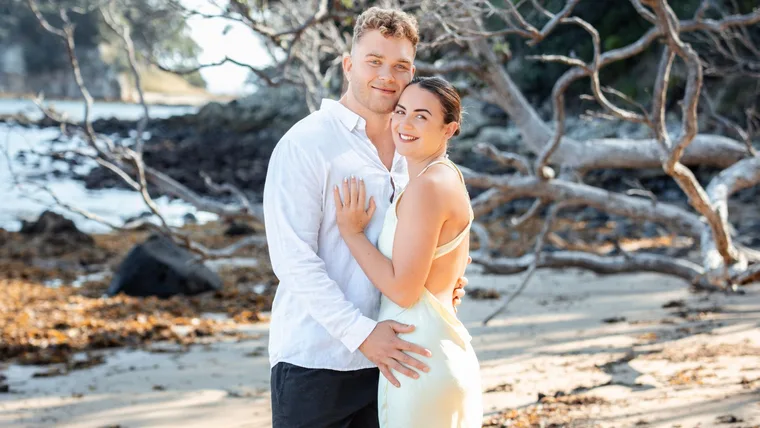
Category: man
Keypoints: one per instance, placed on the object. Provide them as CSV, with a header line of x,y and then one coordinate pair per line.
x,y
325,346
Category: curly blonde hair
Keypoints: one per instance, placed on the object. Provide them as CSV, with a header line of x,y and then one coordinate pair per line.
x,y
390,23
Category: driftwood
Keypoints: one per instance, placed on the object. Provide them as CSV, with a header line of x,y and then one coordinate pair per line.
x,y
306,44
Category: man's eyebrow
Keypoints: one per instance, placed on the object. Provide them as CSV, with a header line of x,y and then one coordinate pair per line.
x,y
377,55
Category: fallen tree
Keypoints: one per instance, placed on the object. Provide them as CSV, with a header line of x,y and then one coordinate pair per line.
x,y
305,44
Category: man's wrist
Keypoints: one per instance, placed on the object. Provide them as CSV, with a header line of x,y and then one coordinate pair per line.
x,y
358,333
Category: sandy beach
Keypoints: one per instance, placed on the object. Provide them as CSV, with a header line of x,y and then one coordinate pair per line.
x,y
607,351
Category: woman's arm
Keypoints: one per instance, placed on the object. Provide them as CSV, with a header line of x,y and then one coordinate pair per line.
x,y
421,217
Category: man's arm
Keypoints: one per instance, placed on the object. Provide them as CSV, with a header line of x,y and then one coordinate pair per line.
x,y
292,217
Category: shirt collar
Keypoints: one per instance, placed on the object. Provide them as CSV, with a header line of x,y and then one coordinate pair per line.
x,y
345,115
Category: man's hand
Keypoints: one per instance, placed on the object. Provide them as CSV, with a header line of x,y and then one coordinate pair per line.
x,y
384,348
459,289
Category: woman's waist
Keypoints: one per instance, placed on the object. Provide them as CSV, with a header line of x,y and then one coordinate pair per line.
x,y
431,322
428,304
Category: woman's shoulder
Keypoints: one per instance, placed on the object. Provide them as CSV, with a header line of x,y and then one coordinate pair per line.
x,y
439,184
444,176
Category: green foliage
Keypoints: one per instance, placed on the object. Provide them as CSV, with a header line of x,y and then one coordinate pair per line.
x,y
43,51
156,30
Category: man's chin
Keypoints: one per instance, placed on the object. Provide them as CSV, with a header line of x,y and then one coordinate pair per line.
x,y
382,107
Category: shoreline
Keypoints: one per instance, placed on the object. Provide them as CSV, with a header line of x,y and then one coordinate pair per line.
x,y
151,99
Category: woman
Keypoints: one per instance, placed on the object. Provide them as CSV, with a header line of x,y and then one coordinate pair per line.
x,y
422,250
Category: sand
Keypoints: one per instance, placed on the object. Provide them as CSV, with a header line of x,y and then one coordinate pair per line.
x,y
692,365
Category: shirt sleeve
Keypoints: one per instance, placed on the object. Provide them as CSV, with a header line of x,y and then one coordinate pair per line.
x,y
293,200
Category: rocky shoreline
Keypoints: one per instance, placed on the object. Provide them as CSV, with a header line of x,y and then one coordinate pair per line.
x,y
232,143
50,312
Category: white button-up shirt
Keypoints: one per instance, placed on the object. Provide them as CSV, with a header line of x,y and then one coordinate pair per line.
x,y
325,306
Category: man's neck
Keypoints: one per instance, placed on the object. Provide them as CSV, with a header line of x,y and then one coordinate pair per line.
x,y
377,124
377,128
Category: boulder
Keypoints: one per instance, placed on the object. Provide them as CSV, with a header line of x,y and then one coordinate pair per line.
x,y
158,267
55,228
239,229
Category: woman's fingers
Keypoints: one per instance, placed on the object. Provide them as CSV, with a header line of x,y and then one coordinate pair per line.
x,y
354,196
336,196
372,207
361,197
355,193
346,194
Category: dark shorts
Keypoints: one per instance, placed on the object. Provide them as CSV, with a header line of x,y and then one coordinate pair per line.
x,y
320,398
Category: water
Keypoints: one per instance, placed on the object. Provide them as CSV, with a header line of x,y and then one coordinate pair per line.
x,y
75,109
25,201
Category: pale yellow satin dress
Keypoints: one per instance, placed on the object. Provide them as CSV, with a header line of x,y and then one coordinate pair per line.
x,y
449,395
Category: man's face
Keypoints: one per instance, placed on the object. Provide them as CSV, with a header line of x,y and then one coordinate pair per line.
x,y
378,69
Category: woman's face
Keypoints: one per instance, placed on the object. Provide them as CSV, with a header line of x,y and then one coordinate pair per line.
x,y
417,124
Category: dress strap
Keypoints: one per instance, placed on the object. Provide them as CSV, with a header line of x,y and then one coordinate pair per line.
x,y
453,244
445,161
436,162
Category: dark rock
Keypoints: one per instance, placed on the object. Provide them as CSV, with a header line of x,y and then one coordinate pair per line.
x,y
55,228
143,215
674,304
158,267
728,419
189,218
230,142
483,293
239,229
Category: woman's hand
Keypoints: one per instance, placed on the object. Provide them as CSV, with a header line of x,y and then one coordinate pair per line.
x,y
351,215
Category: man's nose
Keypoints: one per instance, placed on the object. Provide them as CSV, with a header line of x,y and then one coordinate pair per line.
x,y
386,74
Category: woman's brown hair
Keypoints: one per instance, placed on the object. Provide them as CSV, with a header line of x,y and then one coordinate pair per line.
x,y
447,95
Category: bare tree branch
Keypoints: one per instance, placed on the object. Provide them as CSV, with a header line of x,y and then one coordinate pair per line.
x,y
698,198
534,209
740,176
540,240
615,203
228,188
229,251
448,67
744,135
123,31
488,201
510,160
605,265
752,274
67,34
261,74
123,161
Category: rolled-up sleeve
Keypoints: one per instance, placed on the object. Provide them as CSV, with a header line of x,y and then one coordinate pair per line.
x,y
293,201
